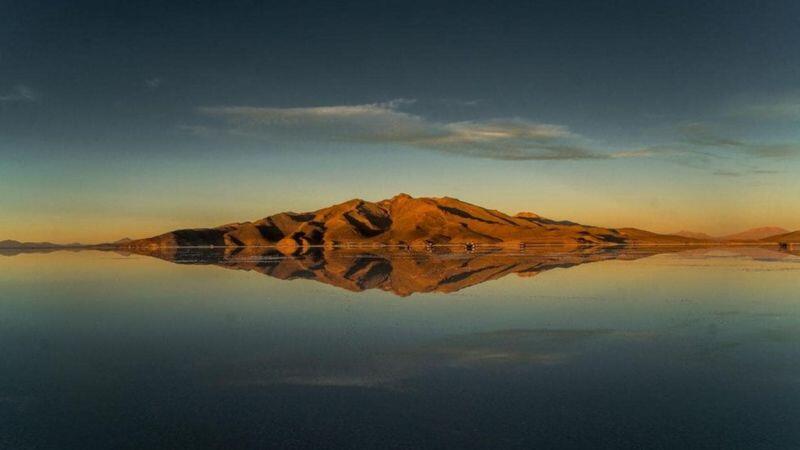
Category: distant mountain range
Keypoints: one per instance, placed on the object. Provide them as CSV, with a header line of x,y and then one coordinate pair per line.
x,y
403,221
10,247
755,234
9,244
751,235
694,235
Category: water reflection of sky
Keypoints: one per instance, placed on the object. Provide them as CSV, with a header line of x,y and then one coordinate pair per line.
x,y
692,348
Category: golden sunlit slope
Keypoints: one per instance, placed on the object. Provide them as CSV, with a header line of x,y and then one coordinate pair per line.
x,y
402,220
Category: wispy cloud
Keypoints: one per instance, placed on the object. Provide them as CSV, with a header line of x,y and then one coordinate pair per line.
x,y
783,150
461,103
744,172
641,153
783,108
701,136
727,173
696,145
505,139
153,83
20,93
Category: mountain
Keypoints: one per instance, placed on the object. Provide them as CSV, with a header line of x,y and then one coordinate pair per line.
x,y
754,234
694,235
11,248
9,244
404,221
751,235
790,238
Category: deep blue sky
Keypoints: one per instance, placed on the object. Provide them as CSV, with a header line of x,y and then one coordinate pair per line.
x,y
614,111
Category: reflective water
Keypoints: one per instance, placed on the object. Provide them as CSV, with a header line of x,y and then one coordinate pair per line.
x,y
587,348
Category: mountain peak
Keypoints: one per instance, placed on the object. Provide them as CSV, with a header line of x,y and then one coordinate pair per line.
x,y
401,196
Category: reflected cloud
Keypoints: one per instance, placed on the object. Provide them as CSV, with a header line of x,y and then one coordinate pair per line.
x,y
502,349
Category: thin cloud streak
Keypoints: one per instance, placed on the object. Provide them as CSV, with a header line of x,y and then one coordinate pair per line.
x,y
701,136
727,173
20,93
785,107
153,83
642,153
513,139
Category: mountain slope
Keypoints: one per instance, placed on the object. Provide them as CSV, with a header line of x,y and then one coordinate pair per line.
x,y
401,220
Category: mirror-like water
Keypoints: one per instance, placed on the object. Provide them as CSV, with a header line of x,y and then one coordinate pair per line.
x,y
586,348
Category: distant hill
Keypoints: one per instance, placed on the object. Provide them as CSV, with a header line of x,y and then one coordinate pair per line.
x,y
791,237
9,244
402,220
694,235
754,234
751,235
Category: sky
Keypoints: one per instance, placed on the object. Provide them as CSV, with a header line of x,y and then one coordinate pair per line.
x,y
128,119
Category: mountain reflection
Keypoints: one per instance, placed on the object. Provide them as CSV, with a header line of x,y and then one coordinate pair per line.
x,y
402,272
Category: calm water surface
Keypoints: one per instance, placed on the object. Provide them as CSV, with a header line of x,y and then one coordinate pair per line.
x,y
689,349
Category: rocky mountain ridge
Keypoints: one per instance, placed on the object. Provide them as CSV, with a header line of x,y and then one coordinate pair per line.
x,y
402,221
